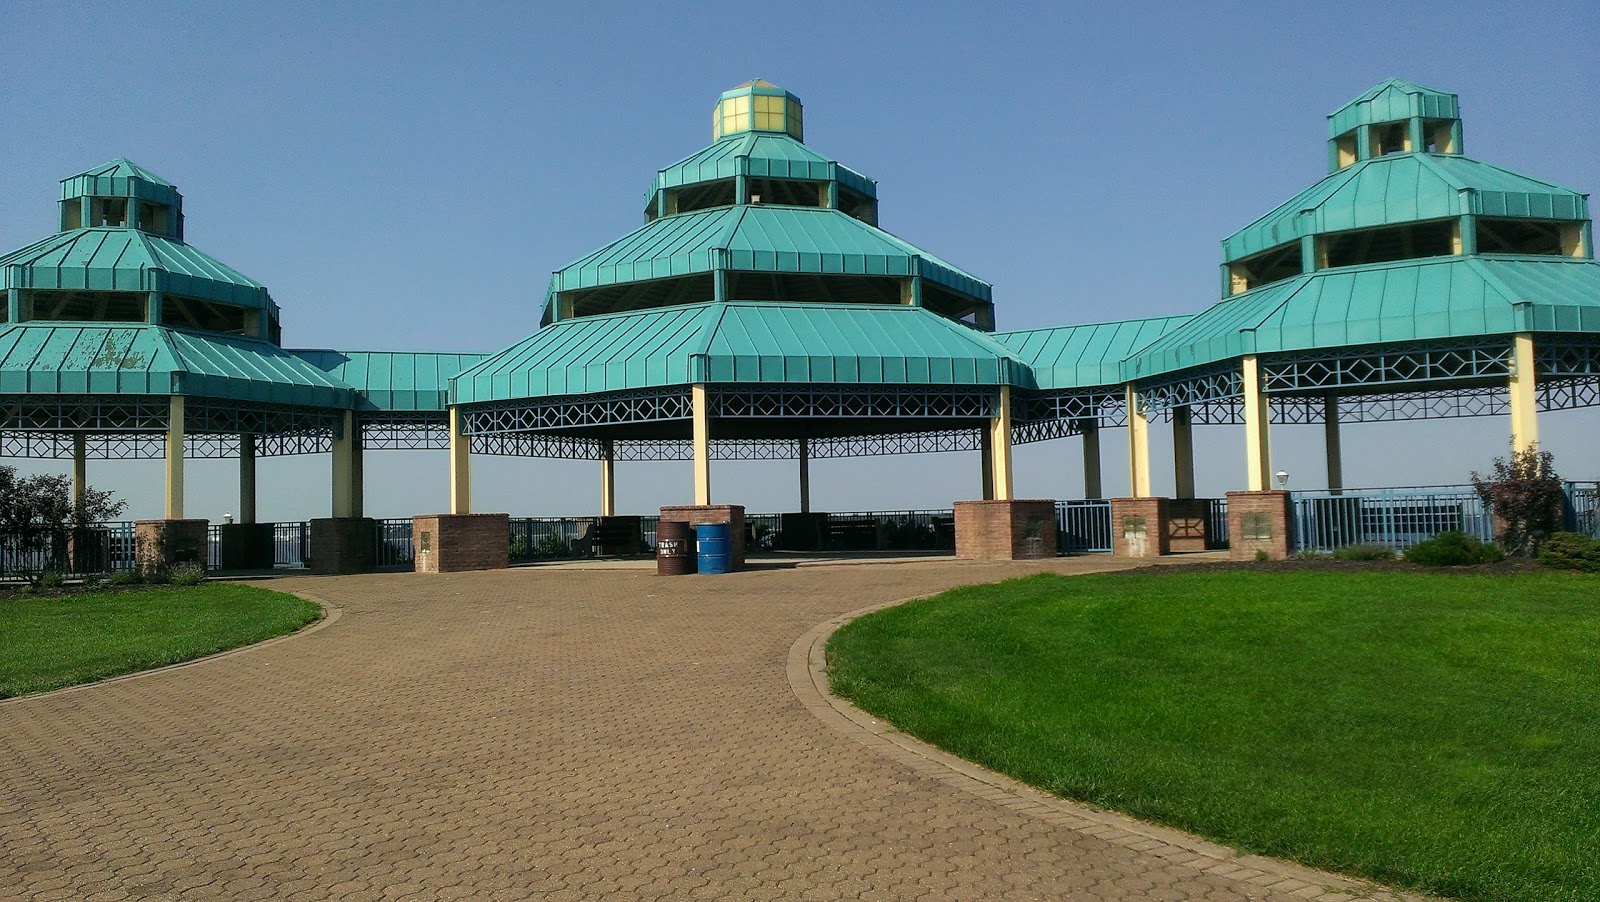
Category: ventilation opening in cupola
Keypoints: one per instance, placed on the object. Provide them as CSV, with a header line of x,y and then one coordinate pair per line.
x,y
814,289
692,289
84,306
1407,242
788,192
1441,135
196,313
1264,268
701,197
109,212
1529,236
1390,137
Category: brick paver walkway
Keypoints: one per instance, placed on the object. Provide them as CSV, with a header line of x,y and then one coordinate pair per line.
x,y
544,734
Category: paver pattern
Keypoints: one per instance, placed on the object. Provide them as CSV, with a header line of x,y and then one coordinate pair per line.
x,y
539,734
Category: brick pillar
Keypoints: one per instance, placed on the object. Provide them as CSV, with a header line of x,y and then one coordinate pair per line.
x,y
1006,530
1139,527
160,545
1259,521
695,514
449,543
343,545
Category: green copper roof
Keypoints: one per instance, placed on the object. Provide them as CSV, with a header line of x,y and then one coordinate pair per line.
x,y
121,178
386,380
1399,188
1391,100
763,239
128,260
54,358
1081,356
760,155
751,342
1412,300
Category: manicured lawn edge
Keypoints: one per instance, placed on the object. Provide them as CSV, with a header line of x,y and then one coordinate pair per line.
x,y
54,642
1440,625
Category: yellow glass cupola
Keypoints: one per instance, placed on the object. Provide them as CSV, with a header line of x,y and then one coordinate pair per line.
x,y
758,106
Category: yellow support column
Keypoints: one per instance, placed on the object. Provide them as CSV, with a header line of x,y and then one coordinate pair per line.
x,y
805,476
1524,398
344,467
175,458
1182,452
608,478
460,466
1000,447
702,444
1257,440
986,463
1138,445
247,479
1333,450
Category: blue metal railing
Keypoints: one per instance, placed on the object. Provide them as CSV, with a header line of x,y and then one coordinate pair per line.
x,y
1217,523
1083,527
1395,519
1583,508
392,544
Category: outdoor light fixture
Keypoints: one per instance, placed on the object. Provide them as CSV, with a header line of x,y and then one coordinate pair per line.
x,y
1283,479
227,518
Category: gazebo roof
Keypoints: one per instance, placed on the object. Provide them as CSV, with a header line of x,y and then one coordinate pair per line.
x,y
393,381
760,155
138,359
734,342
123,259
1081,356
764,239
1437,298
1399,188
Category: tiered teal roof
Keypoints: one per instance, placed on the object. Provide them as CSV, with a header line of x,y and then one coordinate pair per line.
x,y
106,259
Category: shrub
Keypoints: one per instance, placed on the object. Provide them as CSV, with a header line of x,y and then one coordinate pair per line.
x,y
552,545
1526,497
1261,555
123,578
187,575
51,579
519,548
1453,549
1363,553
1571,551
92,580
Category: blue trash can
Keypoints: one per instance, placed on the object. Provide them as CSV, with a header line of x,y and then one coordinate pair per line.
x,y
714,547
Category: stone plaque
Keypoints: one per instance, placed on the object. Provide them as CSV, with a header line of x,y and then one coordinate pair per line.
x,y
1257,525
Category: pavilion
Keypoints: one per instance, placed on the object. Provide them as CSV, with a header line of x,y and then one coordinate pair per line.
x,y
761,312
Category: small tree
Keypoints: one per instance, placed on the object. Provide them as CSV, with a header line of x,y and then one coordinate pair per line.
x,y
37,514
1526,497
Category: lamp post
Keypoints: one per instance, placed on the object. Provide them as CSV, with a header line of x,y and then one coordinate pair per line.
x,y
1283,479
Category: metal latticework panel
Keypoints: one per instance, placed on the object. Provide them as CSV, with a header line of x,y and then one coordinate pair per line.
x,y
1194,390
1385,365
83,413
1559,356
851,401
1568,394
541,414
417,431
1107,408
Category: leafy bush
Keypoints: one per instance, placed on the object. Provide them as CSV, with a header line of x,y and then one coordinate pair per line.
x,y
552,545
1261,555
1526,496
519,548
1363,553
92,580
187,575
38,512
51,579
1453,549
123,578
1571,551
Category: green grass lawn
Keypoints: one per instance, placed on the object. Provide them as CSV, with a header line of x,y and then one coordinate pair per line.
x,y
1432,731
49,642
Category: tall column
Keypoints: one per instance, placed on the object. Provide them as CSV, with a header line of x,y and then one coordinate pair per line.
x,y
805,476
14,305
1000,447
1182,452
175,458
608,478
1332,450
460,466
247,479
1524,399
80,470
1093,487
986,463
1257,444
1138,445
358,472
344,467
702,444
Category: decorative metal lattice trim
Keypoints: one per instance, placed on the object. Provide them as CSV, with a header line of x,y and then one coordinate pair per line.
x,y
1569,394
84,413
541,414
1193,390
1385,365
851,401
1559,356
1108,408
412,431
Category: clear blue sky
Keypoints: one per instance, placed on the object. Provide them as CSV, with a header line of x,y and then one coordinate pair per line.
x,y
403,176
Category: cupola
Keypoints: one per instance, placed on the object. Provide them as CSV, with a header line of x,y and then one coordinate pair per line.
x,y
122,195
758,106
1394,117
